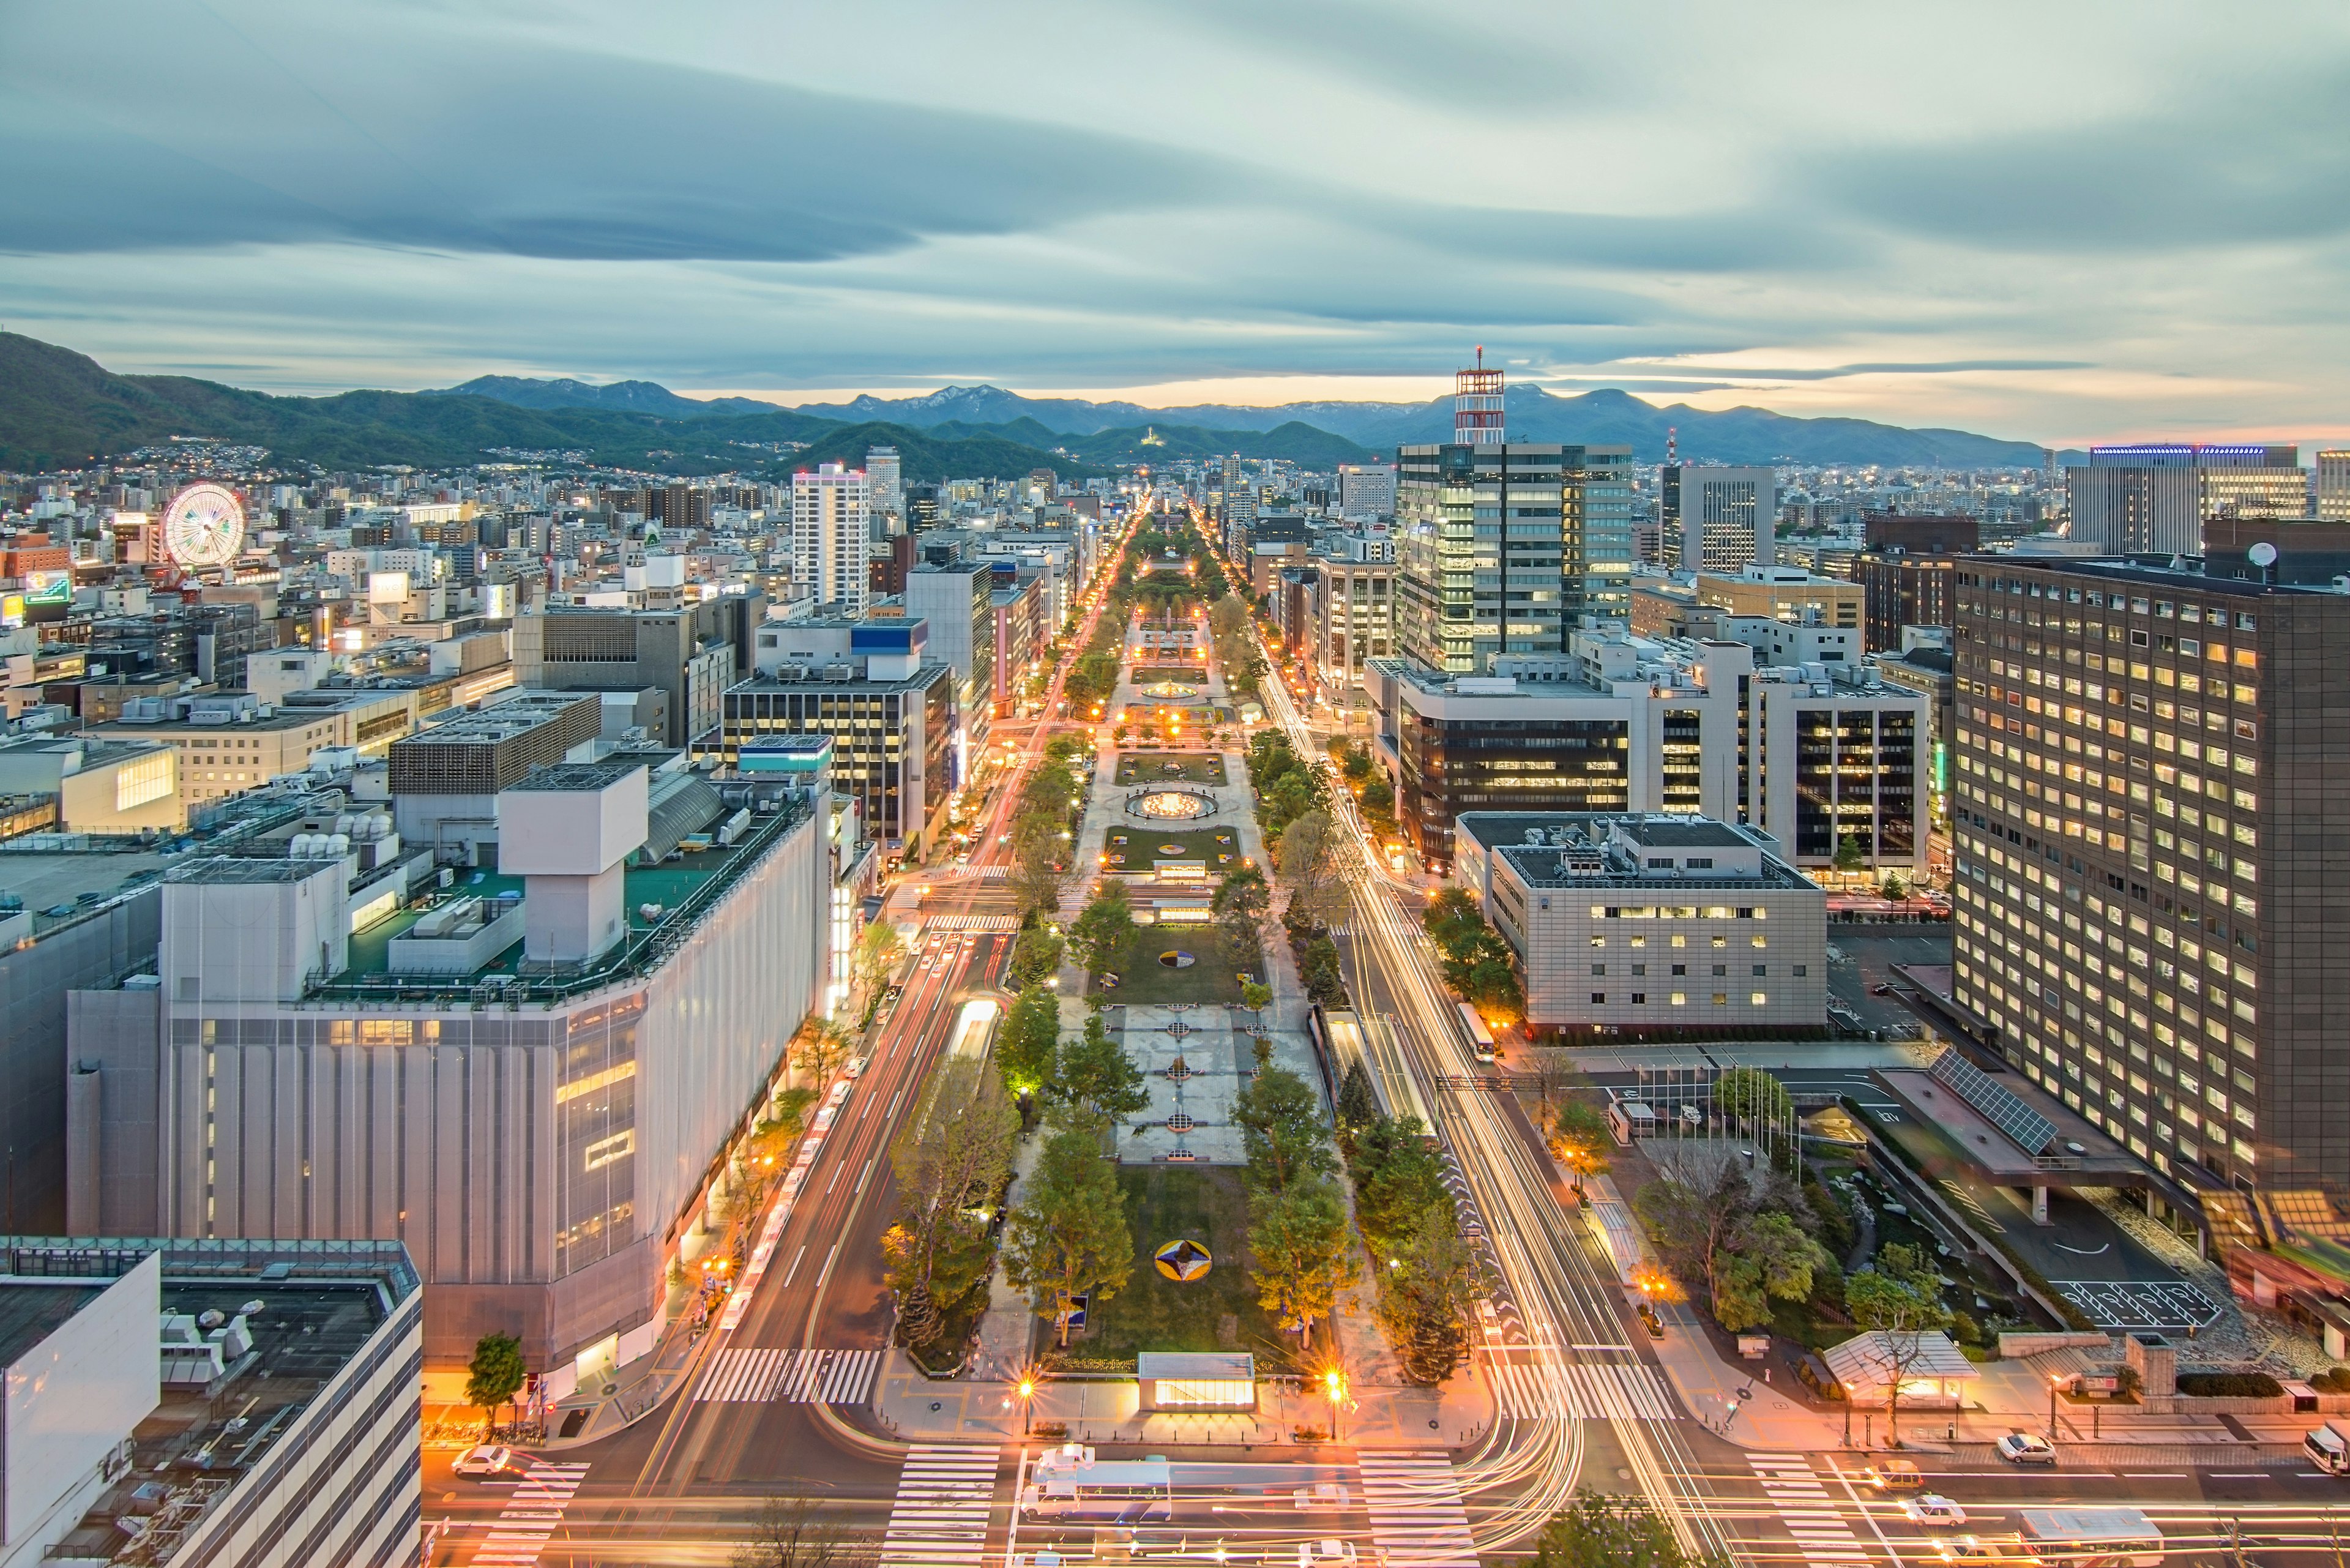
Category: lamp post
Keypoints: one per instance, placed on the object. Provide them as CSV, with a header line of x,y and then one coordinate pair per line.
x,y
1333,1383
1027,1389
2055,1383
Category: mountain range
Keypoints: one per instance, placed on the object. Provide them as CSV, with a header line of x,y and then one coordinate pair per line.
x,y
61,408
1111,432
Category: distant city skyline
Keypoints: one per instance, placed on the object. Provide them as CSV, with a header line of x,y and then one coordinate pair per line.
x,y
2047,224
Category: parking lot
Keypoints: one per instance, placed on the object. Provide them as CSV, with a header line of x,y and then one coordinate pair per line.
x,y
1861,957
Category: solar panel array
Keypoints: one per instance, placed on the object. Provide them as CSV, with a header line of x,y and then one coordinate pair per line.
x,y
2030,1130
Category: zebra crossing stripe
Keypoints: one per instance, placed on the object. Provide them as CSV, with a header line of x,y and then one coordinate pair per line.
x,y
971,924
791,1376
1810,1516
1417,1519
1585,1391
940,1517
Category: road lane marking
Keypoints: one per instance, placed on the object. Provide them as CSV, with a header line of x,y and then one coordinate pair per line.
x,y
836,1170
796,1265
823,1277
519,1545
745,1376
894,1099
862,1178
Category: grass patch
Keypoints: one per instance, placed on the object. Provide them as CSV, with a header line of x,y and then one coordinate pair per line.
x,y
1140,849
1211,979
1207,1204
1170,767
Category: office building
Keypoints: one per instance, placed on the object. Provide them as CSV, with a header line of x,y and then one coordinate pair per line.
x,y
831,535
2147,814
1749,726
690,653
1901,589
1717,519
1350,620
1599,518
2155,498
209,1407
898,748
521,1075
227,742
1650,925
885,492
1922,664
955,602
1468,591
1366,490
1920,533
2330,487
1784,593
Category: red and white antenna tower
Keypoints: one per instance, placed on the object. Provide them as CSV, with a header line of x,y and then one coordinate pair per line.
x,y
1477,417
1672,444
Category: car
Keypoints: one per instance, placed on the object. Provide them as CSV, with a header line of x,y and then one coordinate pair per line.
x,y
484,1459
1892,1475
1325,1553
2009,1552
1882,988
854,1067
2026,1449
1933,1508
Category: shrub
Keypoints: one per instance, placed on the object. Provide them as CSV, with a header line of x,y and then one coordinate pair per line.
x,y
2230,1384
2334,1380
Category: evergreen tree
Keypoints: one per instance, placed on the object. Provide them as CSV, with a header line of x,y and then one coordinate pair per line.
x,y
1303,1255
1069,1236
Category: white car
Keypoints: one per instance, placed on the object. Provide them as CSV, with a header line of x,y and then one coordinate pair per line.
x,y
487,1459
1326,1554
1932,1508
2026,1449
855,1067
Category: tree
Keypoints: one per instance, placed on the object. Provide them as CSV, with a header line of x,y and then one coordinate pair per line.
x,y
1425,1289
1304,1257
1579,1137
1598,1531
950,1161
792,1532
1325,980
1893,888
1358,1103
495,1375
1753,1097
1029,1042
1491,983
821,1048
1898,1296
1309,854
1039,858
879,949
1242,905
1281,1128
1094,1074
1398,1176
1694,1226
1769,1258
1850,857
1103,932
1035,956
1069,1236
1254,997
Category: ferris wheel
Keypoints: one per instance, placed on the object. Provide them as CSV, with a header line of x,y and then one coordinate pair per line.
x,y
204,527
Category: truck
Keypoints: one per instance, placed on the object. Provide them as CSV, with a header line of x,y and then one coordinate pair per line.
x,y
2328,1447
2091,1536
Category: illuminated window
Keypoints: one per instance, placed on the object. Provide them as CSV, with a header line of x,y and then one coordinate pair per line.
x,y
386,1032
148,779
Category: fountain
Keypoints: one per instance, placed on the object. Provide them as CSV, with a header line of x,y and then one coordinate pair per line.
x,y
1171,805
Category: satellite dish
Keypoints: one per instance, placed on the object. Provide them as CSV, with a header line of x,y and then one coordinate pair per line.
x,y
2262,554
205,526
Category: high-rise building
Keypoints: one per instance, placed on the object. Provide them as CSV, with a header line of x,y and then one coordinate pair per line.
x,y
1481,568
1599,509
1718,519
831,535
1366,489
2155,498
2147,807
885,491
2330,487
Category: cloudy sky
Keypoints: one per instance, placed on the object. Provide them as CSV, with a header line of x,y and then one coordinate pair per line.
x,y
2051,222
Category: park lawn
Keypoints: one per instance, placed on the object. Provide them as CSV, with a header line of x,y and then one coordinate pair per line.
x,y
1186,767
1213,978
1141,848
1203,1203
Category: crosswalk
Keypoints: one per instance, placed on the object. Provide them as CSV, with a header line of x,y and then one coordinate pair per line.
x,y
1822,1534
741,1376
1417,1519
971,924
975,871
1584,1391
940,1512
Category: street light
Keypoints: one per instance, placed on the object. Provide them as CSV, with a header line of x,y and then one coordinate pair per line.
x,y
1334,1385
2055,1383
1028,1391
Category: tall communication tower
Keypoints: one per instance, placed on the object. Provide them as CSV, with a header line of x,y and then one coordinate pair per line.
x,y
1477,419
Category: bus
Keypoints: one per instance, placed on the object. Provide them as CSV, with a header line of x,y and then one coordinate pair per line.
x,y
1069,1483
1481,1039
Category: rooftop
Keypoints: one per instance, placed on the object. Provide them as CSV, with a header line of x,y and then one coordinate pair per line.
x,y
1663,833
2187,579
575,778
30,1314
